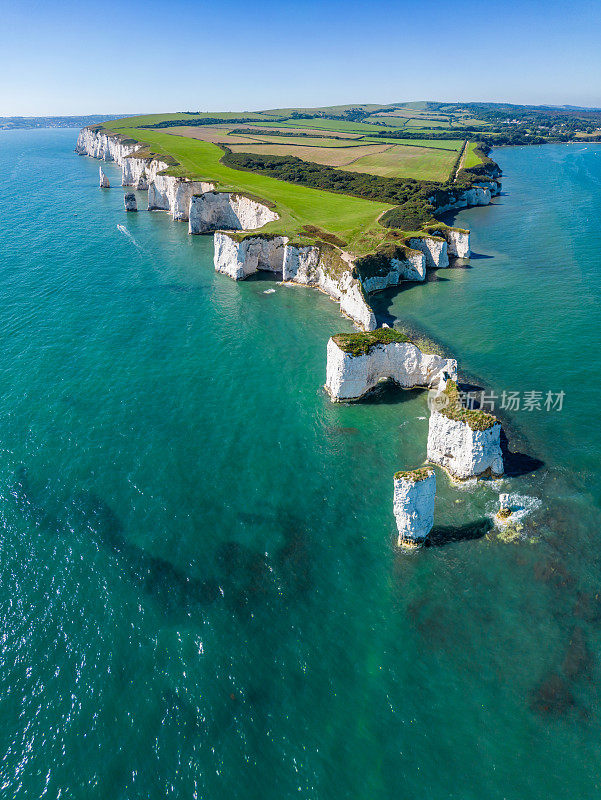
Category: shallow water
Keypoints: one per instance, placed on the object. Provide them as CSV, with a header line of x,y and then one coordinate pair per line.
x,y
199,588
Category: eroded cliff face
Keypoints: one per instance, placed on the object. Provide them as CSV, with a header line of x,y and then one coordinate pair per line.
x,y
140,172
104,146
434,249
458,243
307,265
478,195
413,507
412,268
463,451
187,200
166,193
211,211
350,377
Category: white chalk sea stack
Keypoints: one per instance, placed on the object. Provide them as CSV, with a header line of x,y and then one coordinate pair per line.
x,y
413,505
358,362
131,204
104,181
435,250
467,443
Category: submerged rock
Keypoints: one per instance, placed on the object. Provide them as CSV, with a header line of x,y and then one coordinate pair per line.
x,y
552,697
578,661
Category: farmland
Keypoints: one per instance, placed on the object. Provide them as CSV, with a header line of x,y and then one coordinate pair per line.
x,y
331,170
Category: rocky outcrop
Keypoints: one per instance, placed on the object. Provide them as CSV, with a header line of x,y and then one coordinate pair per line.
x,y
458,243
167,193
413,505
410,268
357,363
480,194
321,267
131,204
467,443
435,250
104,181
211,211
457,239
140,172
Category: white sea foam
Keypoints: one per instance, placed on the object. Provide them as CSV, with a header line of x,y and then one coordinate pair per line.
x,y
269,291
521,505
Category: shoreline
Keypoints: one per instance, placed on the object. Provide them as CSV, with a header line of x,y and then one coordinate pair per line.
x,y
244,251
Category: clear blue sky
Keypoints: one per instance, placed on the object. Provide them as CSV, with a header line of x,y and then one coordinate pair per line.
x,y
112,57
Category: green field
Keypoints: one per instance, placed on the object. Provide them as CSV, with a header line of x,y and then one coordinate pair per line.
x,y
350,218
471,159
332,125
436,144
331,156
407,162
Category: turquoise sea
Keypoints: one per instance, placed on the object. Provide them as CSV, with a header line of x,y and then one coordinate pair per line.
x,y
199,590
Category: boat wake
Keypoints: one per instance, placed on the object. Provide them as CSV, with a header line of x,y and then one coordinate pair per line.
x,y
123,229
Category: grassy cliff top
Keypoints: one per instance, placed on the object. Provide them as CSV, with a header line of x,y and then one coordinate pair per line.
x,y
419,474
477,420
360,344
311,185
351,219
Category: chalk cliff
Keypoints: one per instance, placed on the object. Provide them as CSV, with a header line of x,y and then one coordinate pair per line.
x,y
435,250
166,193
213,210
393,271
478,195
358,362
413,505
193,201
319,266
139,172
458,243
107,147
466,443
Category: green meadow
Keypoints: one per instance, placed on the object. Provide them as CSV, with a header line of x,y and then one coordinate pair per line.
x,y
349,218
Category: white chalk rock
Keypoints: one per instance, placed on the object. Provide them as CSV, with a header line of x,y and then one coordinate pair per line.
x,y
131,204
239,259
463,451
412,268
104,181
349,377
166,193
304,265
458,243
435,250
101,144
413,505
478,195
212,210
139,172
